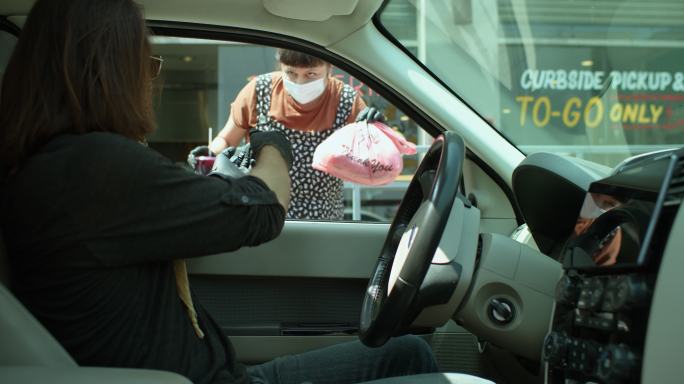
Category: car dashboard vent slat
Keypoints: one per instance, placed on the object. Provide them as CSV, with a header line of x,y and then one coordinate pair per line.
x,y
675,191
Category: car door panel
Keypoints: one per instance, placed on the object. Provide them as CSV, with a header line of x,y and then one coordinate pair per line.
x,y
304,249
301,291
304,289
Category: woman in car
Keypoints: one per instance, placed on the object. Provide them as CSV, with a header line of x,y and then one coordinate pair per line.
x,y
97,225
305,102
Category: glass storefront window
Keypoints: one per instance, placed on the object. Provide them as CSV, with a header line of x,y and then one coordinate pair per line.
x,y
601,80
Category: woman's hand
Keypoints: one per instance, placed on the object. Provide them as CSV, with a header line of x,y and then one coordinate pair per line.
x,y
202,150
241,156
259,139
370,115
233,162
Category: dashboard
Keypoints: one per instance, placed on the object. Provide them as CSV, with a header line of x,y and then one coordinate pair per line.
x,y
609,233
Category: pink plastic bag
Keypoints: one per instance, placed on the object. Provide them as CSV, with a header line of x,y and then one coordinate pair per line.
x,y
363,153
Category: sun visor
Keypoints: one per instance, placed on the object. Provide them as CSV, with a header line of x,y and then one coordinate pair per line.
x,y
308,10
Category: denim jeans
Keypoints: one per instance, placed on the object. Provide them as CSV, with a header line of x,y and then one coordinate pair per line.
x,y
348,363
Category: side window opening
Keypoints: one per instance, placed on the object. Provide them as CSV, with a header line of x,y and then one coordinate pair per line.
x,y
201,78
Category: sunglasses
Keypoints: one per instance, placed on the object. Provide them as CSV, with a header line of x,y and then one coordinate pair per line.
x,y
156,65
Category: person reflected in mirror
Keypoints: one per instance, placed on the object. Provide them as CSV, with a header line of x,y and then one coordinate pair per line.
x,y
307,103
97,225
608,247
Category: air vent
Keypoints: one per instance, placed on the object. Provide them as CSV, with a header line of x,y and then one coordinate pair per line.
x,y
675,192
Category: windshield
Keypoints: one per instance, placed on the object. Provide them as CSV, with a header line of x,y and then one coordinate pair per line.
x,y
597,79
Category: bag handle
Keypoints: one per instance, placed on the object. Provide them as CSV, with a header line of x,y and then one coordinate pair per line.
x,y
404,146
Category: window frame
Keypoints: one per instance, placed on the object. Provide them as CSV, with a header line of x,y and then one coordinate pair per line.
x,y
243,35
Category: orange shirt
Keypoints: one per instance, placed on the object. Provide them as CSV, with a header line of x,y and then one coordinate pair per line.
x,y
317,115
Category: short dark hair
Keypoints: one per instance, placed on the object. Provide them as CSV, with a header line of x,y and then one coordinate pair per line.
x,y
297,59
79,66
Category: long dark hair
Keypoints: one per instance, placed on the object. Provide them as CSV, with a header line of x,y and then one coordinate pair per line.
x,y
79,66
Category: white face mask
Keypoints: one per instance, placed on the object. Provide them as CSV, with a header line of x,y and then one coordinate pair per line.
x,y
304,93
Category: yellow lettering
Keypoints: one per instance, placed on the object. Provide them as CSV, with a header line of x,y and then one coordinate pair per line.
x,y
643,119
588,121
615,113
630,113
569,121
535,111
656,111
523,100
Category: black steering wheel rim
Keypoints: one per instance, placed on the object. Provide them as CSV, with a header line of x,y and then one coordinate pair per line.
x,y
426,206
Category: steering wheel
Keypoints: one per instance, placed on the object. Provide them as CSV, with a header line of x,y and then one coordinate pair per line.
x,y
412,241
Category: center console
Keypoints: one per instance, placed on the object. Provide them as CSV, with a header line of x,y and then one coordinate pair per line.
x,y
610,262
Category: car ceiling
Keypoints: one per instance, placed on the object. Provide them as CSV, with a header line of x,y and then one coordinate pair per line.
x,y
250,14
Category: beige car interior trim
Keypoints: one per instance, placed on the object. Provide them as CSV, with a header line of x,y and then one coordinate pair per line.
x,y
664,337
254,15
309,10
251,14
521,275
24,339
88,375
496,211
304,249
459,245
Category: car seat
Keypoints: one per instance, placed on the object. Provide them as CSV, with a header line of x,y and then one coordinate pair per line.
x,y
29,353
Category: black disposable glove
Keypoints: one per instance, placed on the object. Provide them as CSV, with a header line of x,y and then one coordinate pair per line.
x,y
241,156
232,162
202,150
370,114
277,139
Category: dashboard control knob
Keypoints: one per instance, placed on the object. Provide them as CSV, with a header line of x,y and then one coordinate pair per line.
x,y
626,292
501,311
639,291
555,348
591,293
567,290
617,363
